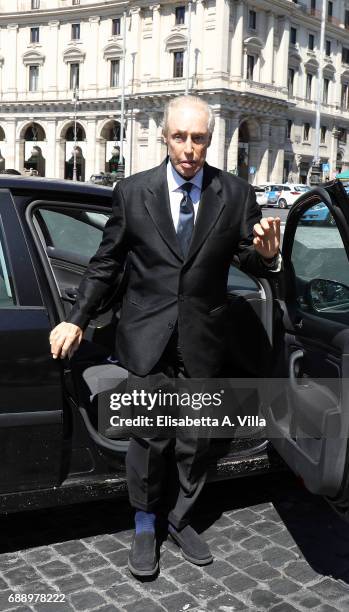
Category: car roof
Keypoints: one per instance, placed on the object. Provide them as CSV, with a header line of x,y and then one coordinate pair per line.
x,y
24,183
271,185
296,185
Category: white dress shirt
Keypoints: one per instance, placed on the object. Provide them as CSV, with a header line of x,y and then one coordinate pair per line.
x,y
174,182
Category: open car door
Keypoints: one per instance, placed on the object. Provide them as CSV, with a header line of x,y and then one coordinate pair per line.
x,y
307,404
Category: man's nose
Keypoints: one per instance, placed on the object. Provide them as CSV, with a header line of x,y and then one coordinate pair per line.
x,y
188,149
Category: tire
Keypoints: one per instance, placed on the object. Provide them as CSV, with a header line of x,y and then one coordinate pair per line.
x,y
282,203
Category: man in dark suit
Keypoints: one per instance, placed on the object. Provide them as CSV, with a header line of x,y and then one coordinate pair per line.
x,y
179,225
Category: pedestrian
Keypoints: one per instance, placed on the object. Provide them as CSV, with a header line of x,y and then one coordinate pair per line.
x,y
179,225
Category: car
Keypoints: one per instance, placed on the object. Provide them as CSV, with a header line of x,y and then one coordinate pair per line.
x,y
261,195
273,192
10,171
289,194
318,214
288,353
103,178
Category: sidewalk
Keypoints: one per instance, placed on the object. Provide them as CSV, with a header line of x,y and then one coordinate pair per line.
x,y
276,548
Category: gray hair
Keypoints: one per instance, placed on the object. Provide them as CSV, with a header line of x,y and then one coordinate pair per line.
x,y
182,100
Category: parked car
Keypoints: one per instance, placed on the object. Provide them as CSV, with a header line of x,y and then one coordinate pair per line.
x,y
273,192
261,195
318,214
103,178
289,194
51,450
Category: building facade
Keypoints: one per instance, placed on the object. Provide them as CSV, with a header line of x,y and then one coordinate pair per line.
x,y
256,63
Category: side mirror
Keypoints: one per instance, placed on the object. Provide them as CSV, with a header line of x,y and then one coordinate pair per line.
x,y
328,296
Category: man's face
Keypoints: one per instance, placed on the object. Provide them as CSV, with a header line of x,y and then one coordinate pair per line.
x,y
187,138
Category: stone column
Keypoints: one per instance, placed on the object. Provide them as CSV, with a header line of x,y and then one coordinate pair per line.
x,y
334,150
222,36
268,68
128,144
155,64
90,162
1,77
216,154
19,154
161,149
282,54
100,155
10,131
133,44
197,36
60,157
11,60
131,154
92,63
152,139
50,169
233,147
337,83
237,43
52,58
278,170
263,168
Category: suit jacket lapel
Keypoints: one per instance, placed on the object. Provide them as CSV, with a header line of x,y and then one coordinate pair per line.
x,y
210,208
159,208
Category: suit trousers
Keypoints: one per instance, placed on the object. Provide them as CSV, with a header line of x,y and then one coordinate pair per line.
x,y
167,475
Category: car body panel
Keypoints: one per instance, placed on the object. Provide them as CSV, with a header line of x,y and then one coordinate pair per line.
x,y
261,196
318,213
290,193
308,420
31,402
272,191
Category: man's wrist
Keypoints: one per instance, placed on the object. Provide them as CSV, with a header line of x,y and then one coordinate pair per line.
x,y
272,262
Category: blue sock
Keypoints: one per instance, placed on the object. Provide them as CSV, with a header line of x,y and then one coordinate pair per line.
x,y
145,521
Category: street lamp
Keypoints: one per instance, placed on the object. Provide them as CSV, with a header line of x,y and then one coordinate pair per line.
x,y
122,105
315,175
75,102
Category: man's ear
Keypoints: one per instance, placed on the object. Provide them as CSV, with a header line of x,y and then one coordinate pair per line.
x,y
164,138
209,140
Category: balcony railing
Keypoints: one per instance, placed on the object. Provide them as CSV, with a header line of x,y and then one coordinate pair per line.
x,y
318,14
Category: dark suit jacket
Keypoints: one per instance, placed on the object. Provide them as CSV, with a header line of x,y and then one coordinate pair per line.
x,y
162,288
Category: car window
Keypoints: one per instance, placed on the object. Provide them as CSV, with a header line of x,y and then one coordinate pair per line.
x,y
76,232
286,188
318,253
6,294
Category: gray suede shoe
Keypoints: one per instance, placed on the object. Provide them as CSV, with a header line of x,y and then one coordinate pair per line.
x,y
193,547
142,560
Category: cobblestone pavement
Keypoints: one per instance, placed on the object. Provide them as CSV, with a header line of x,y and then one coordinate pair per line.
x,y
276,548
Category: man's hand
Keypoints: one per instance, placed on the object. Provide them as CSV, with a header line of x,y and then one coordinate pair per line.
x,y
267,237
65,339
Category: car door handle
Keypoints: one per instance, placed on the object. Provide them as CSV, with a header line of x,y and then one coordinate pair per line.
x,y
295,357
70,295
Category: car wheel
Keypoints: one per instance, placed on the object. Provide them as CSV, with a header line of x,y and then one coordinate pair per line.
x,y
282,203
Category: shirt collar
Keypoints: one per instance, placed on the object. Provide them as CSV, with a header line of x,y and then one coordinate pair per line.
x,y
175,180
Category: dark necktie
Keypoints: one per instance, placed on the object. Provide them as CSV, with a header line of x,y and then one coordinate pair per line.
x,y
186,219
